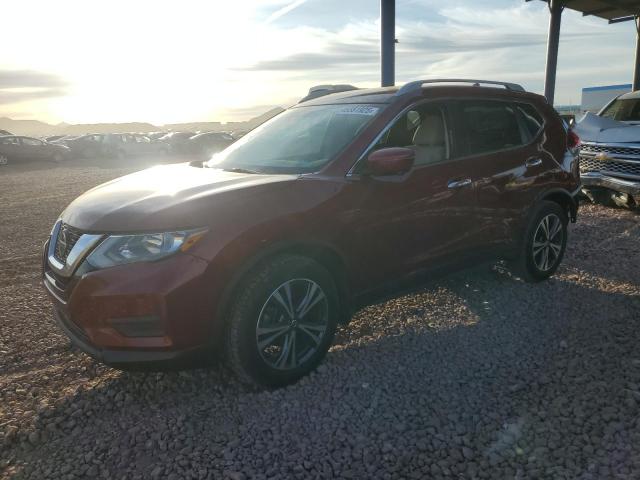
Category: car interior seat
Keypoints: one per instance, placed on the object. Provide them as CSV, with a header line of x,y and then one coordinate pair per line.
x,y
429,141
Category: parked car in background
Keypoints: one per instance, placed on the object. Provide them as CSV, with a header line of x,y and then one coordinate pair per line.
x,y
610,152
63,139
5,132
156,135
178,141
265,250
321,90
206,144
19,149
86,146
237,134
121,145
53,138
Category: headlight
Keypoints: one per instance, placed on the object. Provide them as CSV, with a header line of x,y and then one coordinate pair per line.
x,y
121,249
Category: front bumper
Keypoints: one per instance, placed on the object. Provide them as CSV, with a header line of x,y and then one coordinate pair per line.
x,y
596,179
135,314
120,357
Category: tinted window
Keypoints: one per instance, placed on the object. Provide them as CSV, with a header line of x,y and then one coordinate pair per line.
x,y
532,119
488,127
423,129
31,141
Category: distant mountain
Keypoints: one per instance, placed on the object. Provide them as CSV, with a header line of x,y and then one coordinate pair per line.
x,y
26,127
36,128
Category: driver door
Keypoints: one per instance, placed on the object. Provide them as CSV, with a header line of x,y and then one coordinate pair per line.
x,y
424,217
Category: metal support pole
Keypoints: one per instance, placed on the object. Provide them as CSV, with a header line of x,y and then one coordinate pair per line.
x,y
555,7
387,42
636,68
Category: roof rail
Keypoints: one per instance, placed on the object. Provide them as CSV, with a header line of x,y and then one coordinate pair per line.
x,y
417,84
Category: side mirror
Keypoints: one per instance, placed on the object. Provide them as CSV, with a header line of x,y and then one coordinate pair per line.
x,y
390,161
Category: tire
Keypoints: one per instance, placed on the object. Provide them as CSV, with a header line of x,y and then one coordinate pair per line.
x,y
261,334
4,160
534,266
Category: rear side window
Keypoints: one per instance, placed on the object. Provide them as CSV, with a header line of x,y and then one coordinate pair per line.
x,y
532,120
488,127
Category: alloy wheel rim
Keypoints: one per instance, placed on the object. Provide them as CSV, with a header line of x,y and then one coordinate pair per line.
x,y
547,242
292,324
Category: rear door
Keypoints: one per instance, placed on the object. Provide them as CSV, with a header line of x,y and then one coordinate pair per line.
x,y
506,162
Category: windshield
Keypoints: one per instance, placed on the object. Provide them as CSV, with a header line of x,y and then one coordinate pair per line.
x,y
627,110
299,140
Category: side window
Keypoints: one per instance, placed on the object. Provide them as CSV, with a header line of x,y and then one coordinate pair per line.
x,y
531,118
423,129
31,141
488,127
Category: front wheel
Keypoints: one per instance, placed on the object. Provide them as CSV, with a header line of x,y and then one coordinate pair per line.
x,y
544,243
282,321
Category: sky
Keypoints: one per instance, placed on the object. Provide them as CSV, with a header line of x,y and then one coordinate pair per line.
x,y
175,61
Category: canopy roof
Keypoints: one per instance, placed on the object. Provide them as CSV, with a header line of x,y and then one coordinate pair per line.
x,y
612,10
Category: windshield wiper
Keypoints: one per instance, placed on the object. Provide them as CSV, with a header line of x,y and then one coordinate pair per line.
x,y
240,170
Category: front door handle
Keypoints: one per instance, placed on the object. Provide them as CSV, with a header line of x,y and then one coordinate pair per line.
x,y
455,184
533,162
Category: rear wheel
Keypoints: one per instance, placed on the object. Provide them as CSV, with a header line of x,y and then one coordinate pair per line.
x,y
544,243
281,322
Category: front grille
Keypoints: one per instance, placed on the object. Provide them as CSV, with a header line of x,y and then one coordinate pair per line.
x,y
612,167
611,150
67,238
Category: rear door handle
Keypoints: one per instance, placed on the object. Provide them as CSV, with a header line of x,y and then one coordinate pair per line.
x,y
454,184
533,162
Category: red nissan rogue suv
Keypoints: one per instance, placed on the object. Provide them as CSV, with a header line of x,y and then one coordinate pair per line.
x,y
260,252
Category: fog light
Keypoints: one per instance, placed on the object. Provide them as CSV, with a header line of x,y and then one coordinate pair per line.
x,y
147,326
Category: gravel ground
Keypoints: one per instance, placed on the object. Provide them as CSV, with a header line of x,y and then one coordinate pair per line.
x,y
476,375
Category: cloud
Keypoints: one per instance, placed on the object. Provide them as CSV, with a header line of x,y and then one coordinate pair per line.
x,y
22,85
461,41
284,10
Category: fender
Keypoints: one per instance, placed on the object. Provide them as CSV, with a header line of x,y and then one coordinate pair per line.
x,y
568,197
311,248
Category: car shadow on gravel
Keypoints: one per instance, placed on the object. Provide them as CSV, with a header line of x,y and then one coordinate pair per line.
x,y
478,370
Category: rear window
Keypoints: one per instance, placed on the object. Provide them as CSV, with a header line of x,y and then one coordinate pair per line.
x,y
489,127
531,118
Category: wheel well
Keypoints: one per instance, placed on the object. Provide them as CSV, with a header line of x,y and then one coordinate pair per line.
x,y
566,201
325,256
332,261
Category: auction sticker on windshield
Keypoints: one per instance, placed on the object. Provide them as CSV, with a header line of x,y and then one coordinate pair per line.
x,y
368,110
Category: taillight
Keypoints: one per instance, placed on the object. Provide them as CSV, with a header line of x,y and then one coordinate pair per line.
x,y
573,140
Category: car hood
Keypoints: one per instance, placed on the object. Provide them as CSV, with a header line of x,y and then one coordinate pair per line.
x,y
165,198
593,128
